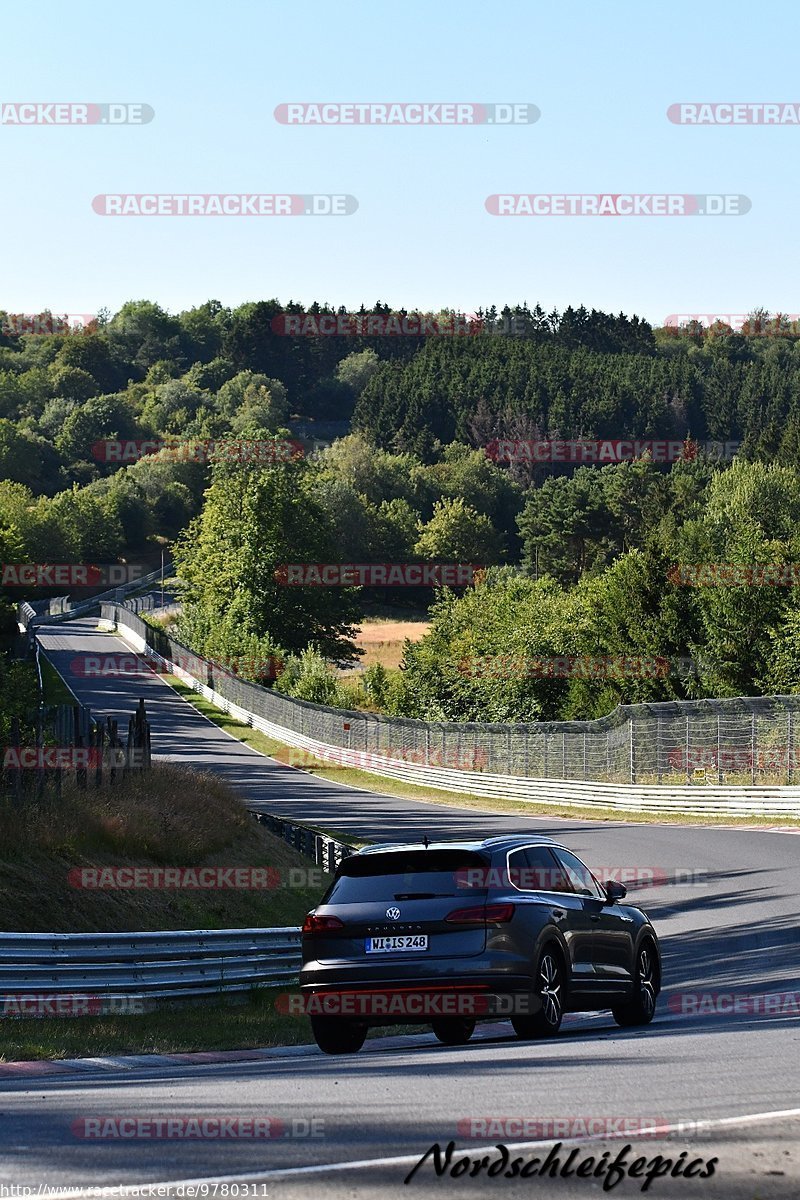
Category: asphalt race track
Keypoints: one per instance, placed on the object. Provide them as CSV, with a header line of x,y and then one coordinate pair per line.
x,y
725,906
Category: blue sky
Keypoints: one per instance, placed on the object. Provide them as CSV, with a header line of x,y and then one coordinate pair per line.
x,y
602,76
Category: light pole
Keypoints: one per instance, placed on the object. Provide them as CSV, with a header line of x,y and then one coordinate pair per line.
x,y
162,576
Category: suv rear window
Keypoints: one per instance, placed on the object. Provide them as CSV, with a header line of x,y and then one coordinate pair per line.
x,y
408,874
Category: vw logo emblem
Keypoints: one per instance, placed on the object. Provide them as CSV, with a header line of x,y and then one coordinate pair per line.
x,y
393,914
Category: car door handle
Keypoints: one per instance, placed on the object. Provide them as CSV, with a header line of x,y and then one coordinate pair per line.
x,y
595,918
559,913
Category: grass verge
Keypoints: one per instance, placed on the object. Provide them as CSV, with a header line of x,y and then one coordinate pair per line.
x,y
255,1024
56,690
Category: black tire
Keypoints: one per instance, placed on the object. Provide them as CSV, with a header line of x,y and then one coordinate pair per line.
x,y
453,1031
336,1036
551,987
641,1009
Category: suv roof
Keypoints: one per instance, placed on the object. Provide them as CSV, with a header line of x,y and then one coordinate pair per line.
x,y
503,841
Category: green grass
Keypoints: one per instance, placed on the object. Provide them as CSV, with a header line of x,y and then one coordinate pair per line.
x,y
365,780
56,690
255,1023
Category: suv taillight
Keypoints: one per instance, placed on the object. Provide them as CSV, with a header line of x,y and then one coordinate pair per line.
x,y
314,925
485,913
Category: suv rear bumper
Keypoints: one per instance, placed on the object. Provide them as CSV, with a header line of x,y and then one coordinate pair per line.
x,y
409,1001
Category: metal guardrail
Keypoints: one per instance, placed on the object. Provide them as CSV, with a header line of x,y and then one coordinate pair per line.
x,y
158,966
325,851
60,608
162,966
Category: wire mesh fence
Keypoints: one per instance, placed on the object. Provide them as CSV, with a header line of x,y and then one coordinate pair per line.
x,y
732,741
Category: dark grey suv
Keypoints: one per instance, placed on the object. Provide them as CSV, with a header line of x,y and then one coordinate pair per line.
x,y
448,933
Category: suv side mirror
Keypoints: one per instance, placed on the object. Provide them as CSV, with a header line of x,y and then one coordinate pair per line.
x,y
615,891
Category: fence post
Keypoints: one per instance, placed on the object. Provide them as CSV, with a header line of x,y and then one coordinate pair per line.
x,y
40,775
686,748
546,756
80,774
659,743
752,747
15,739
719,748
633,761
564,755
584,754
789,747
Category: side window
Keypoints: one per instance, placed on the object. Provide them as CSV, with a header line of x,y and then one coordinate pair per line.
x,y
547,873
580,877
518,870
535,870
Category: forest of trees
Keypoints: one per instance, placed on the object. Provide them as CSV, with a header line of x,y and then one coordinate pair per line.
x,y
578,558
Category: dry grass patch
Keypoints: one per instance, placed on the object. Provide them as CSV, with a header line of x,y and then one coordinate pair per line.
x,y
166,817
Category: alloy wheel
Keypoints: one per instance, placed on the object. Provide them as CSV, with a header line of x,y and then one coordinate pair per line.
x,y
550,989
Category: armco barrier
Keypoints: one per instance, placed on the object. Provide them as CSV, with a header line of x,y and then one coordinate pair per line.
x,y
325,851
61,608
762,801
156,966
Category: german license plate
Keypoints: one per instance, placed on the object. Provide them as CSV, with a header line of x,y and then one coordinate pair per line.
x,y
385,945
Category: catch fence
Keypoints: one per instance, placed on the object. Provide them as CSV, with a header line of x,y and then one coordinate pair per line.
x,y
740,741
